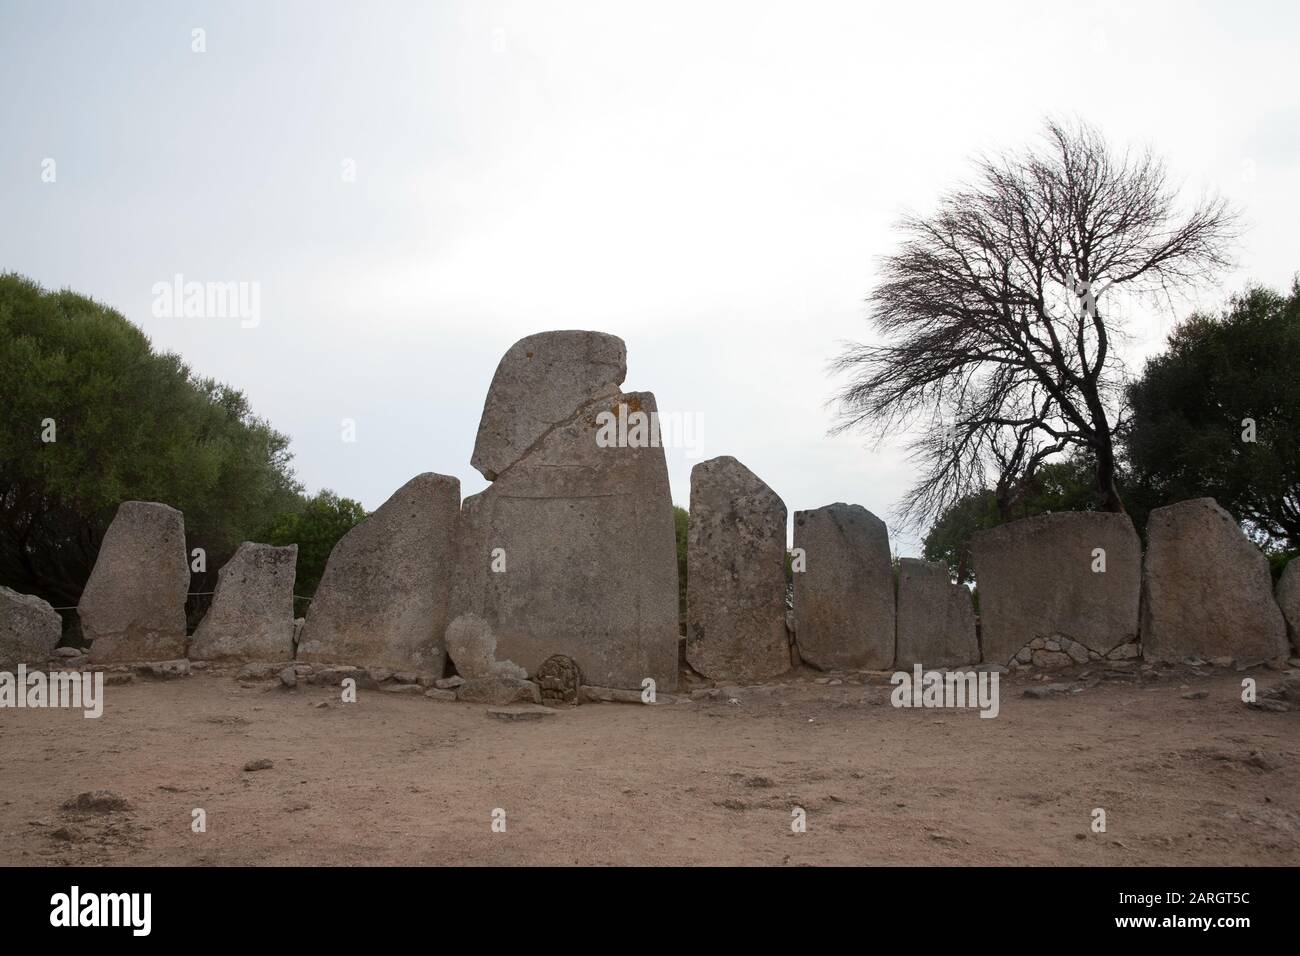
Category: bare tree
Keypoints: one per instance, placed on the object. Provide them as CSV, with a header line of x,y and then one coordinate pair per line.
x,y
994,341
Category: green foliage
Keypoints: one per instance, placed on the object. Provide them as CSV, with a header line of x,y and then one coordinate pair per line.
x,y
1186,438
315,528
131,424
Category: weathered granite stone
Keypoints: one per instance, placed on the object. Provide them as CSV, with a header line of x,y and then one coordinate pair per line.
x,y
382,601
1206,590
133,606
936,621
1288,599
572,551
471,645
844,599
251,617
735,601
559,678
1036,578
540,382
29,629
498,690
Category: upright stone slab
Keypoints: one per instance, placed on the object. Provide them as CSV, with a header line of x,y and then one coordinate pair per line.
x,y
735,586
251,617
1039,579
382,601
133,606
844,598
936,620
1206,590
1288,599
29,629
572,549
540,382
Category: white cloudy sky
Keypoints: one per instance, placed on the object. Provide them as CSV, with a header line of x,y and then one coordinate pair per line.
x,y
711,181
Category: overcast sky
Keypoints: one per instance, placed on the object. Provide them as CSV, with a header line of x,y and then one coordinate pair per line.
x,y
714,182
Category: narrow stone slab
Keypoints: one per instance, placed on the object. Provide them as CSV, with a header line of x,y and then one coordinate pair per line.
x,y
1206,589
538,384
572,551
1288,599
735,600
520,712
1036,579
936,620
251,617
133,606
382,601
29,629
844,598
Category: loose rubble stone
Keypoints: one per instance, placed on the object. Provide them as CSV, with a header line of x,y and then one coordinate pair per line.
x,y
289,677
436,693
540,381
581,534
29,630
1036,579
251,617
382,601
472,648
498,690
936,620
844,598
98,801
1206,589
163,670
262,763
449,683
133,605
736,587
559,677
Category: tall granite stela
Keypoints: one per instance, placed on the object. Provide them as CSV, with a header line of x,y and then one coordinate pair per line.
x,y
382,601
571,550
735,586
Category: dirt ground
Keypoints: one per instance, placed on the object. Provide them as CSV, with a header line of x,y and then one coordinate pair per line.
x,y
398,779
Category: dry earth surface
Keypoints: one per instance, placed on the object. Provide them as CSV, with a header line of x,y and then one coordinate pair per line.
x,y
396,779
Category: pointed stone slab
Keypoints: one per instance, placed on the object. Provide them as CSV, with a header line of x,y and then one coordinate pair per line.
x,y
1036,580
735,600
844,598
133,605
251,617
936,620
1206,589
382,601
29,629
585,536
540,382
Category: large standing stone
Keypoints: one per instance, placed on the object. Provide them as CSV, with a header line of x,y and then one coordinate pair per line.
x,y
29,629
540,382
1040,578
735,588
1288,599
936,621
251,617
844,599
133,606
382,601
572,549
1206,590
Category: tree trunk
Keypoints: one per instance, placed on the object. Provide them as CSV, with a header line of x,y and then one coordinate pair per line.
x,y
1107,494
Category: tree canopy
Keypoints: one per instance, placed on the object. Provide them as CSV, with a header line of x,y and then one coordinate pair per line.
x,y
1218,414
93,416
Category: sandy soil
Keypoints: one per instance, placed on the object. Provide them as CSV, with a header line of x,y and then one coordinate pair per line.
x,y
404,780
